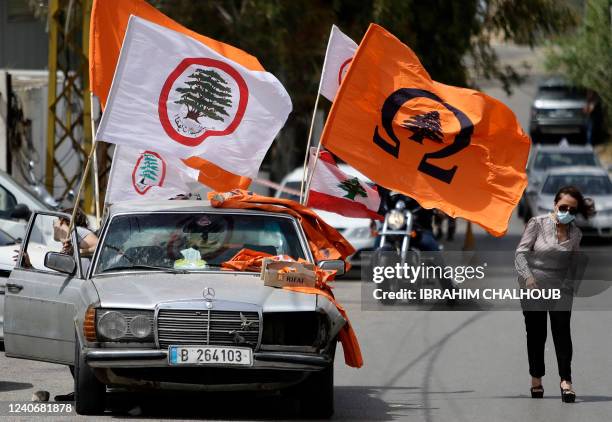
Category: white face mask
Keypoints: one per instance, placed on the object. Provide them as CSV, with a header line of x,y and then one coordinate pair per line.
x,y
564,217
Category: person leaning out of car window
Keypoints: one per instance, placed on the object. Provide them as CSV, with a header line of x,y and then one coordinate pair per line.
x,y
87,238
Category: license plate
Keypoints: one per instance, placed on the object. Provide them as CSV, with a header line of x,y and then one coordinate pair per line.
x,y
210,355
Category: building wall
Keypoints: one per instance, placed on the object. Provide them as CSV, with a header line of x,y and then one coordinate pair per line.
x,y
23,39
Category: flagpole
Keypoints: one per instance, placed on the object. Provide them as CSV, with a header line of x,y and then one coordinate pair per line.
x,y
78,195
314,114
95,161
312,121
311,173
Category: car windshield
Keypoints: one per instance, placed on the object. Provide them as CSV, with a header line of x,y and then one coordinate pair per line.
x,y
192,242
545,160
561,93
588,184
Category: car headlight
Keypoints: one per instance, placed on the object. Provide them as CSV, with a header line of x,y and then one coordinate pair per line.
x,y
396,219
112,325
125,325
140,326
308,329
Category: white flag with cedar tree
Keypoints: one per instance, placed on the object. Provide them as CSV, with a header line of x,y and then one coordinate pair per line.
x,y
144,174
177,96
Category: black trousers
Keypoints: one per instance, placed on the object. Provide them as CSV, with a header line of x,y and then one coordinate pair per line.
x,y
536,326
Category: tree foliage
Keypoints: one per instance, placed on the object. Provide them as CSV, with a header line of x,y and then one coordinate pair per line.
x,y
584,57
452,39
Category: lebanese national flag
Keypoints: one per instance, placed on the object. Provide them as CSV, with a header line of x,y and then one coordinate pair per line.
x,y
335,191
340,52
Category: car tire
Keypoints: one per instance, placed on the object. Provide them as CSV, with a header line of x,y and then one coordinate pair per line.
x,y
316,394
89,392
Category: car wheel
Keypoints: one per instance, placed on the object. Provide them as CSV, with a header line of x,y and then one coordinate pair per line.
x,y
89,393
316,394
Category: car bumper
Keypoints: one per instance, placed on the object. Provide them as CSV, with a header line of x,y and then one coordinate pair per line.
x,y
558,126
139,358
150,370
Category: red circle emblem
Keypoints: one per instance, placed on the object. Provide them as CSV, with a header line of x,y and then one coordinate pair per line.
x,y
141,187
343,69
191,141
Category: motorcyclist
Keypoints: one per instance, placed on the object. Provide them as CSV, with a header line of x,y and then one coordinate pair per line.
x,y
422,218
423,226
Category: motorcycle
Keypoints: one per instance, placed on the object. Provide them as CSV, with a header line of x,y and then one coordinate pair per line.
x,y
397,239
398,243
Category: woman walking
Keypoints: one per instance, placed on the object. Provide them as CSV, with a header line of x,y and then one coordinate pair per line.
x,y
542,262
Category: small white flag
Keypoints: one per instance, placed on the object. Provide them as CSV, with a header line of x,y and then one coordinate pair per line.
x,y
144,174
176,96
340,52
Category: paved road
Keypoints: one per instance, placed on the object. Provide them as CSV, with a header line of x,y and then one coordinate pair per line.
x,y
419,365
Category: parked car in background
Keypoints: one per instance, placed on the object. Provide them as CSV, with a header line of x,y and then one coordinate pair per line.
x,y
153,308
593,182
8,245
16,205
545,157
356,230
558,110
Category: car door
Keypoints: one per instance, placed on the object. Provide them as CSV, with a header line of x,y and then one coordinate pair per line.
x,y
41,303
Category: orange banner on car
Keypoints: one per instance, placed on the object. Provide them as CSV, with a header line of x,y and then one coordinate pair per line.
x,y
450,148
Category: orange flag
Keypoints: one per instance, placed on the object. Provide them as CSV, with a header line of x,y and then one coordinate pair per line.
x,y
450,148
109,19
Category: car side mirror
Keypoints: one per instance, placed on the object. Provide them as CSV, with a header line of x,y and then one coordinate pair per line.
x,y
333,264
60,262
21,212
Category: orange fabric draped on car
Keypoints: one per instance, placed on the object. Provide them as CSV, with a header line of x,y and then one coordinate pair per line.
x,y
347,336
250,260
324,241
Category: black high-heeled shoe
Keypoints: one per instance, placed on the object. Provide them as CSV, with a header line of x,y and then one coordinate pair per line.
x,y
567,395
537,392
